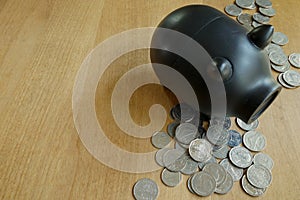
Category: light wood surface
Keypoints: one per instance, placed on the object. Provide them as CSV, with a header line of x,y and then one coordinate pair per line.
x,y
42,45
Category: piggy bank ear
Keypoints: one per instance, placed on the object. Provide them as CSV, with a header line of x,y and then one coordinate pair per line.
x,y
261,36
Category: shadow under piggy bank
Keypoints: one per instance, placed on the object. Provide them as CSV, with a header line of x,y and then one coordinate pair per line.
x,y
237,54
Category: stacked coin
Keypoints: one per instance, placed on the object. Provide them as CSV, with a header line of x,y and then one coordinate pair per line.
x,y
279,61
213,157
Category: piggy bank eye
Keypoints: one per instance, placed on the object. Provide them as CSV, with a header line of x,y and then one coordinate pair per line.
x,y
224,67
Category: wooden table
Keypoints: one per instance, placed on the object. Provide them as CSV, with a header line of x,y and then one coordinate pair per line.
x,y
42,46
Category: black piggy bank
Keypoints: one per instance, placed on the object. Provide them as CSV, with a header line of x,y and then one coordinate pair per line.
x,y
237,53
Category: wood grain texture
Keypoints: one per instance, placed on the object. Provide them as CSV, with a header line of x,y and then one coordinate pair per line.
x,y
42,45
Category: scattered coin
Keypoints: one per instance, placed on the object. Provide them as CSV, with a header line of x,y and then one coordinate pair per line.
x,y
189,185
247,4
250,189
264,3
280,38
222,152
159,156
179,147
254,140
217,135
259,176
270,12
217,171
200,150
185,133
171,156
171,128
233,10
226,186
283,83
145,189
225,122
292,78
203,184
286,66
211,160
256,24
160,139
261,18
247,127
273,47
294,59
190,167
234,171
183,112
245,18
278,58
235,138
264,160
240,157
178,164
171,179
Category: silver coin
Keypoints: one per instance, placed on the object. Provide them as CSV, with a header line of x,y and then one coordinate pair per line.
x,y
250,189
200,150
273,47
264,3
235,138
245,126
211,160
217,171
221,153
261,18
259,176
185,133
256,24
171,128
278,58
254,140
171,179
189,186
283,83
178,164
247,4
270,12
225,122
263,159
234,171
159,156
179,147
183,112
160,139
286,66
145,189
294,59
280,38
240,157
171,156
233,10
190,167
292,78
203,184
185,146
217,135
226,186
245,18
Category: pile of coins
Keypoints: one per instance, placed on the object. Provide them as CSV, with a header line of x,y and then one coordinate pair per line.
x,y
280,62
212,157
